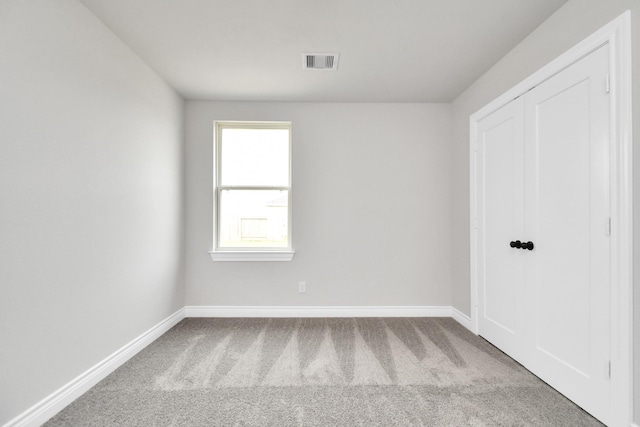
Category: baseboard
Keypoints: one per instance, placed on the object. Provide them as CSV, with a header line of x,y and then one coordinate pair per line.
x,y
317,311
58,400
462,318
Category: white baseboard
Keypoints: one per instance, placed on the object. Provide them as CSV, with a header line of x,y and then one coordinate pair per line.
x,y
58,400
462,318
317,311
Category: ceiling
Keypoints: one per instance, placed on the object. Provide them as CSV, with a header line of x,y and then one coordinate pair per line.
x,y
390,50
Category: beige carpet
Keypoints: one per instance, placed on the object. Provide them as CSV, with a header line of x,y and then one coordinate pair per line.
x,y
321,372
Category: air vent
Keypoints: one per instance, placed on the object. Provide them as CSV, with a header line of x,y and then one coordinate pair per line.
x,y
320,61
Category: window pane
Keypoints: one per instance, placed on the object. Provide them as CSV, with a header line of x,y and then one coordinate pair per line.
x,y
255,157
254,218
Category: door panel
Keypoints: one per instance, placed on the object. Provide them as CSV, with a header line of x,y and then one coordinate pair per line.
x,y
567,209
500,147
563,234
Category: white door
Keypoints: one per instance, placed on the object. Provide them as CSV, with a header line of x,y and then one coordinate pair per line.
x,y
501,181
567,210
543,179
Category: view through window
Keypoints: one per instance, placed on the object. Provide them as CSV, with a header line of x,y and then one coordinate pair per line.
x,y
253,185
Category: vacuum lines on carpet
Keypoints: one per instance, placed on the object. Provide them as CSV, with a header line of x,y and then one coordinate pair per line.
x,y
321,372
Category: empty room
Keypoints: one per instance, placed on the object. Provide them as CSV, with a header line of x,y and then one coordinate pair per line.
x,y
329,213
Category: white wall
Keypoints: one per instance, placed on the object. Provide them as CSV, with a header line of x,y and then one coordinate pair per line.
x,y
370,207
572,23
90,198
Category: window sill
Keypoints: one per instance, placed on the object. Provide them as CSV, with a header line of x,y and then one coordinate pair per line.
x,y
252,256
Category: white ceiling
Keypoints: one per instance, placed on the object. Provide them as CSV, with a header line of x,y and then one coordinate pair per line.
x,y
390,50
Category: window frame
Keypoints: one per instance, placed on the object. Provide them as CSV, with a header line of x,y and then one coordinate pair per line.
x,y
248,253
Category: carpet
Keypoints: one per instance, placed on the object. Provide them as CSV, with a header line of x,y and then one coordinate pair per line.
x,y
321,372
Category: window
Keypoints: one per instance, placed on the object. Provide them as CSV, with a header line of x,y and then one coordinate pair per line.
x,y
252,185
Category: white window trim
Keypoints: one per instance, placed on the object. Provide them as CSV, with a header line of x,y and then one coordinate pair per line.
x,y
248,253
251,256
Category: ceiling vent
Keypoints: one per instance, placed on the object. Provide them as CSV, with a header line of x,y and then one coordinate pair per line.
x,y
320,61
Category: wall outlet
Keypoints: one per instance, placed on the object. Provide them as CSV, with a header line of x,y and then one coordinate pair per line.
x,y
302,287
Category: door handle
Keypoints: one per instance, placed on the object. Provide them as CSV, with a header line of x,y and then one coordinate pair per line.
x,y
522,245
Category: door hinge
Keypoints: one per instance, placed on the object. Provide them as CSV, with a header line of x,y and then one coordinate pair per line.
x,y
607,84
609,369
608,226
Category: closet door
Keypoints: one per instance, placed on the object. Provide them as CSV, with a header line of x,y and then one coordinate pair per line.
x,y
567,211
500,201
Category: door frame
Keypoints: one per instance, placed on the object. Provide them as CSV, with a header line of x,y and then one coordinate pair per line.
x,y
617,34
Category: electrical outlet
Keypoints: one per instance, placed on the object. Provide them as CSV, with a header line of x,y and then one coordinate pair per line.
x,y
302,287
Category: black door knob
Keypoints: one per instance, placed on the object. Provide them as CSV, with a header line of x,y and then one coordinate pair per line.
x,y
522,245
